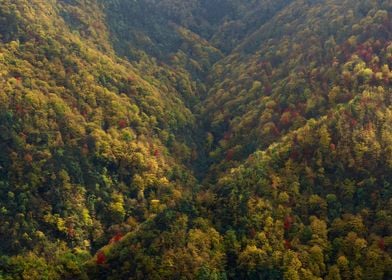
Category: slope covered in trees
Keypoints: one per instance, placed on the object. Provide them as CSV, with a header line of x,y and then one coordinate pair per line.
x,y
195,139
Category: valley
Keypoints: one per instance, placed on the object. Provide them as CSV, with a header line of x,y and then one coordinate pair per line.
x,y
194,139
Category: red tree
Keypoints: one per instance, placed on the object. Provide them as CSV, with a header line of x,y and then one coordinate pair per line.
x,y
101,258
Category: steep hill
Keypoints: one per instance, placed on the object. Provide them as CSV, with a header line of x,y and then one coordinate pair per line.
x,y
269,85
86,138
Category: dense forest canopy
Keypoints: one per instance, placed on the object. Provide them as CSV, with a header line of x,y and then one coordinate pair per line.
x,y
195,139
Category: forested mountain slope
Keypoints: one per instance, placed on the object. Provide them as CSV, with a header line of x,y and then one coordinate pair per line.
x,y
225,139
269,85
85,138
